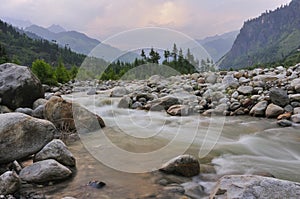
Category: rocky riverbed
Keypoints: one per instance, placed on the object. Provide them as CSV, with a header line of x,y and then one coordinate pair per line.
x,y
35,121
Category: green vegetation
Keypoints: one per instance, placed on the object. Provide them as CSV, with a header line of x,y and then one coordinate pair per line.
x,y
174,63
268,40
50,75
18,48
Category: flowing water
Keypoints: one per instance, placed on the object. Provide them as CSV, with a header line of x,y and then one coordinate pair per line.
x,y
234,145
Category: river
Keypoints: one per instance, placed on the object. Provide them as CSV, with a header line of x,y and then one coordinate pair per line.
x,y
144,140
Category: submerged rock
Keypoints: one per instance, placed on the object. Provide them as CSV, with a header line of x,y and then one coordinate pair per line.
x,y
9,183
45,171
19,87
22,135
184,165
58,151
165,103
248,186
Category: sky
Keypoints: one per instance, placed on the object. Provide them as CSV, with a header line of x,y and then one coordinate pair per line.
x,y
101,19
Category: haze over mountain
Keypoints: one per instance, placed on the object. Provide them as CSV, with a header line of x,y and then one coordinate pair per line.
x,y
271,37
217,46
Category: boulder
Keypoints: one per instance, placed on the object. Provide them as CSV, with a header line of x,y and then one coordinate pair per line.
x,y
250,186
178,110
22,135
295,97
27,111
274,111
39,112
71,116
164,102
183,165
284,123
245,90
125,102
19,87
279,97
296,118
58,151
230,82
119,92
295,84
297,110
4,109
259,109
45,171
9,183
39,102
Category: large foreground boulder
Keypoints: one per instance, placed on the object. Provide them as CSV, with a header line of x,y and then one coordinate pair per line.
x,y
45,171
9,183
19,87
183,165
58,151
71,116
248,186
22,135
279,97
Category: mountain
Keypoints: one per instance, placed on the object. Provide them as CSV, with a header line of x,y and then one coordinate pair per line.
x,y
77,41
17,47
217,46
17,22
268,38
56,28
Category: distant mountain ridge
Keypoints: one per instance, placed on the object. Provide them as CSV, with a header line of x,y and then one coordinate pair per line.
x,y
268,38
217,46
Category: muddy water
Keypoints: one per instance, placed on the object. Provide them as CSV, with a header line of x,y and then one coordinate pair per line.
x,y
234,145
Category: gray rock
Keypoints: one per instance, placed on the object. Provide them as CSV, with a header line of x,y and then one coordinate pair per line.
x,y
39,102
45,171
39,112
136,105
284,123
164,103
234,106
279,97
211,78
125,102
70,116
245,90
174,189
22,135
288,108
46,87
4,109
297,110
58,151
274,111
259,109
295,84
119,92
9,183
19,87
27,111
178,110
230,82
184,165
248,186
295,97
296,118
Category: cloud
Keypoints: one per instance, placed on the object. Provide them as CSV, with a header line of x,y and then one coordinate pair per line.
x,y
103,18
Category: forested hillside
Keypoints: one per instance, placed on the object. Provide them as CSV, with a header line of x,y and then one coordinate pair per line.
x,y
270,38
19,48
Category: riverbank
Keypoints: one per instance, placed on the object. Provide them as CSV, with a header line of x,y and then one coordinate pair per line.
x,y
242,144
